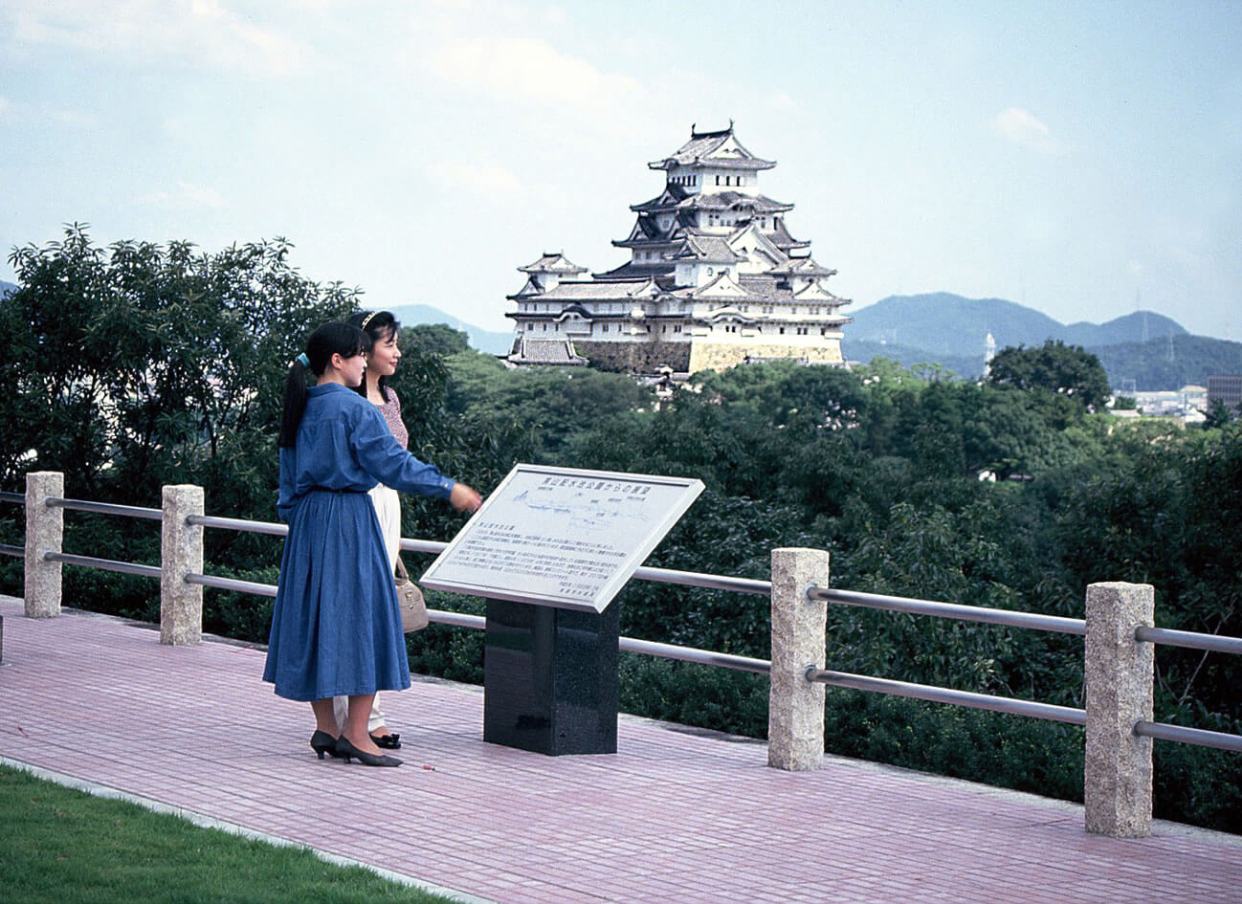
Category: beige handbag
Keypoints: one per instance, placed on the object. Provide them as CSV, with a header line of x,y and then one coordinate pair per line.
x,y
410,599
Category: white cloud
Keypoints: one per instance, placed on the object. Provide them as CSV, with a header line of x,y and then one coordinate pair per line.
x,y
186,195
529,70
202,32
76,118
483,178
779,100
1025,128
43,114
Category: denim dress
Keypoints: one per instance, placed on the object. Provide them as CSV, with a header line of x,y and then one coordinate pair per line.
x,y
336,627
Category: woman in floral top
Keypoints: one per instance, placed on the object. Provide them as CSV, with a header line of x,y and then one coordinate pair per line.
x,y
382,363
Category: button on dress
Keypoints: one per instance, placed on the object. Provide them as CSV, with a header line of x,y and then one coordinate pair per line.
x,y
336,626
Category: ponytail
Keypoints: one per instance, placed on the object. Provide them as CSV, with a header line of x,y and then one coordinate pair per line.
x,y
330,339
295,403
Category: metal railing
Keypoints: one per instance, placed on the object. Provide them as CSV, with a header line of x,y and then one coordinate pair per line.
x,y
1003,617
1031,709
935,694
957,611
106,508
145,571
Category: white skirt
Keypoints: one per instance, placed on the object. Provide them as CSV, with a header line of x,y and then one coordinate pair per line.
x,y
388,509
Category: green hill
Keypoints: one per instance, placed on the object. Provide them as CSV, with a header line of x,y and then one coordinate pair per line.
x,y
1147,348
951,325
1169,363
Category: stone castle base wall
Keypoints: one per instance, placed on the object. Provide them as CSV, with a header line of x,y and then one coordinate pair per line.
x,y
722,356
635,357
691,357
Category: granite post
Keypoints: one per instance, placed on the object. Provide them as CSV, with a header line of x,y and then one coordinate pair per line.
x,y
45,531
181,553
1118,674
796,705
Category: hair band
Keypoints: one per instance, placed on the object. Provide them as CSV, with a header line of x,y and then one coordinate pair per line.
x,y
367,319
303,360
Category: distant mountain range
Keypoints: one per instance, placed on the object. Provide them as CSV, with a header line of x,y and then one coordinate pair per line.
x,y
1144,348
955,326
482,340
6,288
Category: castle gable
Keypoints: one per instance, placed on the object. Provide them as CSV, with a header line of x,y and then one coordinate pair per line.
x,y
762,253
722,286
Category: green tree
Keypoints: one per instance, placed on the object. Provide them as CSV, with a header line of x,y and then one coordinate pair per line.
x,y
1056,367
140,365
144,364
1217,415
437,338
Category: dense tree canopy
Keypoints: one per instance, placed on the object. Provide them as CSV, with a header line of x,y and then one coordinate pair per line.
x,y
1055,367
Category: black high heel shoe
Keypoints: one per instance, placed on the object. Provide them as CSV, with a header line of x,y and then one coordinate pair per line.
x,y
346,750
322,742
390,741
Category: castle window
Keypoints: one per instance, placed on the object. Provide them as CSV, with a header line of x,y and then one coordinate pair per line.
x,y
782,331
545,327
717,180
605,327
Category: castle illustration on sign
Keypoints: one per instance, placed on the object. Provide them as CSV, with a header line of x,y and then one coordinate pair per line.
x,y
714,280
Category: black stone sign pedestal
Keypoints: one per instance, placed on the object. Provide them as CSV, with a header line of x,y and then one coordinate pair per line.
x,y
550,678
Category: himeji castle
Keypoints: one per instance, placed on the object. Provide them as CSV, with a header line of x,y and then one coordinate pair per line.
x,y
714,280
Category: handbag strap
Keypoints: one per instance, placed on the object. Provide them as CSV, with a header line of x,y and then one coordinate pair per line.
x,y
401,572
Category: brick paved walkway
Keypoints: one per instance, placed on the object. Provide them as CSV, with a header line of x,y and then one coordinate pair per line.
x,y
677,815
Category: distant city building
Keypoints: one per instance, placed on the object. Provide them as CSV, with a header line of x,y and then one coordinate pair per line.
x,y
714,279
1228,389
1171,402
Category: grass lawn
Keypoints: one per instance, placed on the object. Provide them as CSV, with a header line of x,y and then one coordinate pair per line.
x,y
62,845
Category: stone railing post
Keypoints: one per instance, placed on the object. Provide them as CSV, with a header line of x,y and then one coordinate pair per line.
x,y
45,532
181,553
795,705
1118,673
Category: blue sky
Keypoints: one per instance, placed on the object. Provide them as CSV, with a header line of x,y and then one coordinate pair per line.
x,y
1080,158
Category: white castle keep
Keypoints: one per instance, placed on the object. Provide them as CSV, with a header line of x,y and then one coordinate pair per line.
x,y
715,279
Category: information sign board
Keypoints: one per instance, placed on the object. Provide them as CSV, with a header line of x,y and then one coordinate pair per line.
x,y
561,537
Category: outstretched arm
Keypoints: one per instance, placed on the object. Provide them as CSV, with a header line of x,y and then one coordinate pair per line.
x,y
382,457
